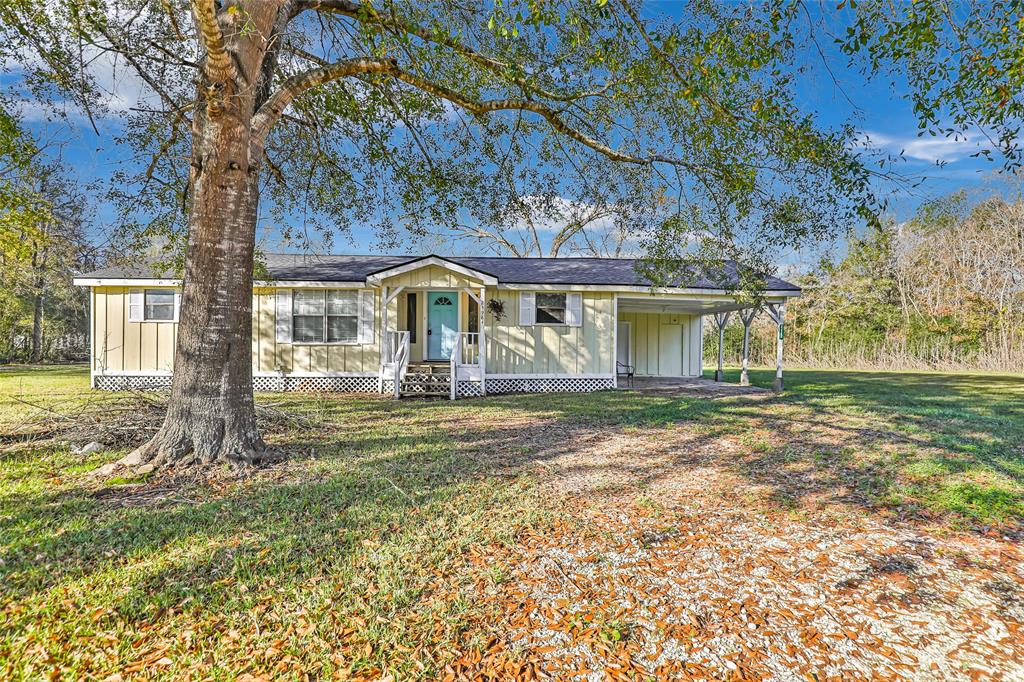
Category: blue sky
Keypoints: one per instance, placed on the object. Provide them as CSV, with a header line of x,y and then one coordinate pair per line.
x,y
834,95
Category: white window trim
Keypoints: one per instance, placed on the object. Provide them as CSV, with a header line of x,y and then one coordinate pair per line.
x,y
141,293
572,320
325,342
565,309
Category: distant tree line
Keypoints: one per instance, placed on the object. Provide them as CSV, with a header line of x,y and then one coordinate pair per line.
x,y
944,290
43,243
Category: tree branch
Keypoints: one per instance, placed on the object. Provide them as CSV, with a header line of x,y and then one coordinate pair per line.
x,y
482,107
367,14
219,67
668,61
275,105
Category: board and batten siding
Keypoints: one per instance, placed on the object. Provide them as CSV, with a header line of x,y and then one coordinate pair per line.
x,y
664,344
120,346
124,347
430,276
271,356
558,349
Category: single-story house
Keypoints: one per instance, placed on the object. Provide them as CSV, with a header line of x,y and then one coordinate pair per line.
x,y
459,326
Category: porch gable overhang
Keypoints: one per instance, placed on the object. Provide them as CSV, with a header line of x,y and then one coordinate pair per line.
x,y
377,278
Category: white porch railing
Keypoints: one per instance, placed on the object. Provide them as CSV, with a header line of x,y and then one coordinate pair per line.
x,y
396,357
465,354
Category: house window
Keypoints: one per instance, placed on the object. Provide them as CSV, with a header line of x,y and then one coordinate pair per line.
x,y
550,309
159,305
410,316
330,316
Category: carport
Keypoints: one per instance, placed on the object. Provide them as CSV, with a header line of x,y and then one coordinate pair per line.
x,y
662,338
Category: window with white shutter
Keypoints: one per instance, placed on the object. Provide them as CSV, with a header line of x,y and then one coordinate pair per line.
x,y
366,316
526,311
574,310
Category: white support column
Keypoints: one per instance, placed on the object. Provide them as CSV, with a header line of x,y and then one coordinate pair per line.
x,y
483,340
383,337
777,311
387,351
721,319
615,340
747,316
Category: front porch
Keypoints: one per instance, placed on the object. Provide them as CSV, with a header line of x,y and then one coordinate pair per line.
x,y
432,330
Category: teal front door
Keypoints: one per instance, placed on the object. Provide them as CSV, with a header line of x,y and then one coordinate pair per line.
x,y
442,324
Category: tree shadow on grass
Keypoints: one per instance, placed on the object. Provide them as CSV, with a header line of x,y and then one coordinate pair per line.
x,y
916,445
392,483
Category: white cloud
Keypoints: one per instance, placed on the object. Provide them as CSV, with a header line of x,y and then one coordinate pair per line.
x,y
928,149
120,88
549,216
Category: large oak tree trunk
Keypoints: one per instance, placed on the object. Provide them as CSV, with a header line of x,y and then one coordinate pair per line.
x,y
210,415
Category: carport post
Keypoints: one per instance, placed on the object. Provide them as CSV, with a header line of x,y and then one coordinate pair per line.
x,y
777,311
747,316
721,319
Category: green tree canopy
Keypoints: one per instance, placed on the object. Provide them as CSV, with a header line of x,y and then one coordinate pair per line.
x,y
689,125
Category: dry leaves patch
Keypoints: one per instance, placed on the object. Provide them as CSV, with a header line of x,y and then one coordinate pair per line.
x,y
714,593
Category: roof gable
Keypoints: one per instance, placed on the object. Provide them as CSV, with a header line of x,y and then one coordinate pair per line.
x,y
427,261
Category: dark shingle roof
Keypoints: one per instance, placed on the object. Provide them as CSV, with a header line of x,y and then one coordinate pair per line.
x,y
581,271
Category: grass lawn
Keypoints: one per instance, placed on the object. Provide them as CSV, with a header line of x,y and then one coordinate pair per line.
x,y
391,540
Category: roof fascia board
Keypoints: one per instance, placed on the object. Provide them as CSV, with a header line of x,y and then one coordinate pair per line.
x,y
624,288
275,284
125,282
377,277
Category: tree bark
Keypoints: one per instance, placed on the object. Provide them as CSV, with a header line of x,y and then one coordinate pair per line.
x,y
211,414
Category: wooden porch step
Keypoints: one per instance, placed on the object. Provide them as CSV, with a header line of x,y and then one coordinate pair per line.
x,y
426,379
427,368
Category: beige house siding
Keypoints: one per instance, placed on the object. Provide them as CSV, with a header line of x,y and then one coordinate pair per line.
x,y
540,349
271,356
430,276
664,344
120,346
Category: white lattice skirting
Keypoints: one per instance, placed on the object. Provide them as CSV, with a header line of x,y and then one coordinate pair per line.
x,y
154,382
157,382
467,389
552,385
317,384
464,389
